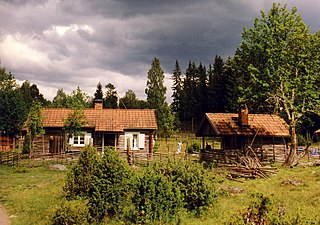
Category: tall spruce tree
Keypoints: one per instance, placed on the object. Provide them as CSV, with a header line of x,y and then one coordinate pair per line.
x,y
202,93
156,91
111,99
216,87
232,82
189,96
99,93
176,88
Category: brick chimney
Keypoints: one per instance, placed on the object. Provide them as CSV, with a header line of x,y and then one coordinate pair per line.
x,y
243,116
98,104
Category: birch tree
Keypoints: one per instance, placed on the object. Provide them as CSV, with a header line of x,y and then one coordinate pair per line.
x,y
278,60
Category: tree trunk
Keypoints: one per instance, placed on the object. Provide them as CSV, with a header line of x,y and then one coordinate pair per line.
x,y
292,158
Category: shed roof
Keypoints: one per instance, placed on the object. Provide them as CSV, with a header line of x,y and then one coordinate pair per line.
x,y
113,120
224,124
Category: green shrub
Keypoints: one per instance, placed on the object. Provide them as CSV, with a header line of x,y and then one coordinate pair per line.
x,y
156,199
79,179
111,187
72,212
302,141
195,185
194,148
26,144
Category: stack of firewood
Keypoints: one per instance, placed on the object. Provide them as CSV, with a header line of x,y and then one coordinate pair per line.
x,y
250,167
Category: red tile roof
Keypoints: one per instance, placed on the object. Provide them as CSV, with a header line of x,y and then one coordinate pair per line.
x,y
262,124
114,120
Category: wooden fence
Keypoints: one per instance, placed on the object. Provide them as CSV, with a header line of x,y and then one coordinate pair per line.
x,y
142,158
231,156
9,158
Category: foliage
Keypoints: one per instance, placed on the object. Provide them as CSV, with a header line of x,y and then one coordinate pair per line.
x,y
60,100
176,88
111,99
35,121
72,212
111,187
74,122
168,125
78,99
99,93
156,90
257,212
7,81
194,148
278,60
156,199
13,110
130,101
216,86
195,188
194,183
80,178
31,93
26,148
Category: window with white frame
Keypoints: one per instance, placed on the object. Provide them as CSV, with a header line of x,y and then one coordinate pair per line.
x,y
81,140
134,140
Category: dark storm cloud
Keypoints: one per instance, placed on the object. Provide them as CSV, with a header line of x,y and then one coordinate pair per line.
x,y
65,44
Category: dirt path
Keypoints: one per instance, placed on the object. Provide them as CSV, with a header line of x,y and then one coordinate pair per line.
x,y
4,217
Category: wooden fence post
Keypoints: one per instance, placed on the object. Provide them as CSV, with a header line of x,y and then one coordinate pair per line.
x,y
129,156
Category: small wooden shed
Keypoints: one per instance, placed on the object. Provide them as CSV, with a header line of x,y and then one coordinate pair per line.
x,y
225,135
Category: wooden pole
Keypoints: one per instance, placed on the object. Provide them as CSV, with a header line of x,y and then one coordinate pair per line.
x,y
129,157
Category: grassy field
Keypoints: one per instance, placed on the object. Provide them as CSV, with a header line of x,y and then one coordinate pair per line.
x,y
31,193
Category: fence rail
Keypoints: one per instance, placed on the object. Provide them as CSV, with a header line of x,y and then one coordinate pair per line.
x,y
9,158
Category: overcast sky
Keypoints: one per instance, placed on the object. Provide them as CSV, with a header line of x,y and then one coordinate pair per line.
x,y
69,43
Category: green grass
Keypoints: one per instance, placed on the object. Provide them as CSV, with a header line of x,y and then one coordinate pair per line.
x,y
31,193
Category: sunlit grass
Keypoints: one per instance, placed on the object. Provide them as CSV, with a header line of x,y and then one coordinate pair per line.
x,y
31,193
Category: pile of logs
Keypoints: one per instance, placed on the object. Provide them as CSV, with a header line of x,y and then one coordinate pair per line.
x,y
250,167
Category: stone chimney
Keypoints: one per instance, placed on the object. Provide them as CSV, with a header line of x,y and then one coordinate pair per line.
x,y
98,104
243,116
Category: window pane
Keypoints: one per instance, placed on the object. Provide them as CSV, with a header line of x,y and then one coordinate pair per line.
x,y
135,141
81,139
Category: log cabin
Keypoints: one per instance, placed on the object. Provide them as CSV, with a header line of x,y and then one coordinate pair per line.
x,y
225,136
118,128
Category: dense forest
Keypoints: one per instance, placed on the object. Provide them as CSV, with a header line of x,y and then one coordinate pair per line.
x,y
275,69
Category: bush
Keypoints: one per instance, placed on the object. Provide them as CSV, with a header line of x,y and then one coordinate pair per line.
x,y
79,179
72,212
302,141
158,194
194,148
196,188
26,144
111,187
155,199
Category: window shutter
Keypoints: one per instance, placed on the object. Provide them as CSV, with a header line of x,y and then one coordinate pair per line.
x,y
71,141
87,138
141,140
